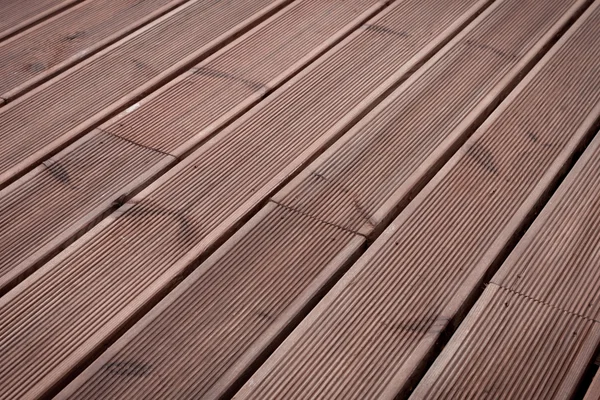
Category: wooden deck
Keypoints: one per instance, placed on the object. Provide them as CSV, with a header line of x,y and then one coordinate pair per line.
x,y
300,199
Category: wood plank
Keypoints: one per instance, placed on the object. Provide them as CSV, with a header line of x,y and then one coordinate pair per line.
x,y
135,256
71,104
378,328
363,181
175,119
554,267
18,15
283,251
557,260
230,310
512,347
593,392
37,217
51,47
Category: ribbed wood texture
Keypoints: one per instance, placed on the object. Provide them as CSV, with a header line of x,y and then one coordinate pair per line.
x,y
20,14
65,107
378,326
247,67
137,253
181,114
69,37
512,347
60,193
408,136
528,353
593,392
198,334
557,261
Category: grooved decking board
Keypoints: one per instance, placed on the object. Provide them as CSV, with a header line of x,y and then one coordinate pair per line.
x,y
169,365
527,351
378,326
227,310
77,186
175,119
132,257
593,392
557,261
512,347
49,48
16,15
48,118
390,154
178,116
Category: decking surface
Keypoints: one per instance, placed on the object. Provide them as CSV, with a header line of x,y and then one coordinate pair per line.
x,y
277,199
